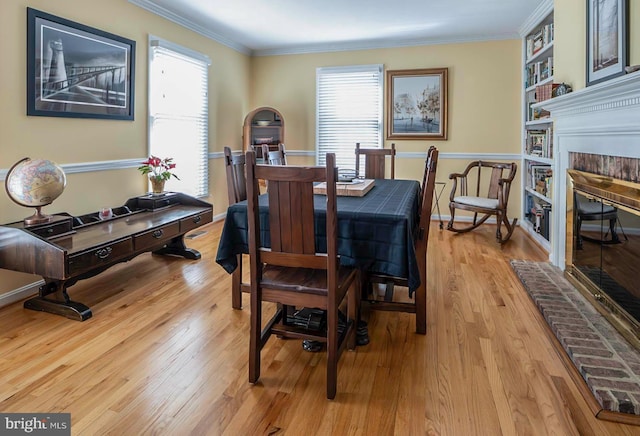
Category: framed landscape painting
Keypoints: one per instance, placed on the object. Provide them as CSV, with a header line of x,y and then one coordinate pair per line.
x,y
77,71
417,104
607,39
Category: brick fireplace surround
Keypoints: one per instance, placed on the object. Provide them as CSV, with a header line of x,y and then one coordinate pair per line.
x,y
596,129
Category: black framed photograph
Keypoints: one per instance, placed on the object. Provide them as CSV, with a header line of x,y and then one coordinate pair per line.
x,y
77,71
417,103
607,39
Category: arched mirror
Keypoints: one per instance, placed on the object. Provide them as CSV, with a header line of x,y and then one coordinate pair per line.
x,y
263,125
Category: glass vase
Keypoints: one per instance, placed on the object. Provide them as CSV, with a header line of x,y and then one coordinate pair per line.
x,y
157,185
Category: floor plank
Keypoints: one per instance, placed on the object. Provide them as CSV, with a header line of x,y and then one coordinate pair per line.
x,y
166,354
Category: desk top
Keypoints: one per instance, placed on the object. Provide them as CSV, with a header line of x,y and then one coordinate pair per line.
x,y
375,232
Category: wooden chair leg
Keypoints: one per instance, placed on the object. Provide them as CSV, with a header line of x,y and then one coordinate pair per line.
x,y
353,310
236,285
332,351
255,339
420,295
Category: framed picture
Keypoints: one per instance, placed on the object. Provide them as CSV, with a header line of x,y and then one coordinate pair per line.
x,y
607,39
77,71
417,104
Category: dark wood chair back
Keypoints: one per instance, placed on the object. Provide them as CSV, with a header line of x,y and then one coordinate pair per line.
x,y
289,270
374,161
419,303
236,180
274,157
237,191
467,194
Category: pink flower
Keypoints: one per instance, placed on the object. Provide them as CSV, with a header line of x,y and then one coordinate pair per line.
x,y
158,168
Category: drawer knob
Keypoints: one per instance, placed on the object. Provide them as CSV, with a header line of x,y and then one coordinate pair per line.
x,y
157,234
49,230
103,253
197,219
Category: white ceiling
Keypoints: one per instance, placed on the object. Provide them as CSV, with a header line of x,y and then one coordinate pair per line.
x,y
290,26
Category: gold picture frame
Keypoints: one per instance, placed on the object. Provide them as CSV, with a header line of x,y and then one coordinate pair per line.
x,y
417,105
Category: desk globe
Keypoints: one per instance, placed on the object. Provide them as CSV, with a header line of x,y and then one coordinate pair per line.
x,y
35,183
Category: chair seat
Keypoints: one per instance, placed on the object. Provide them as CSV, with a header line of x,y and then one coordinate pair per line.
x,y
486,203
304,280
595,208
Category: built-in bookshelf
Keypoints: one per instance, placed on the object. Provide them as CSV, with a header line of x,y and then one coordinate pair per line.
x,y
537,131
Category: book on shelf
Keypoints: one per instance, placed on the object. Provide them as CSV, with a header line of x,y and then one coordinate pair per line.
x,y
540,178
536,72
539,142
539,39
539,214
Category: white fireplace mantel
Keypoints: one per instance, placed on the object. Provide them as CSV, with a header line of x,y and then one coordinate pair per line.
x,y
601,119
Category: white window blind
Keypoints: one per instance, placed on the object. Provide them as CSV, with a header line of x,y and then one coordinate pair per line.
x,y
179,114
349,110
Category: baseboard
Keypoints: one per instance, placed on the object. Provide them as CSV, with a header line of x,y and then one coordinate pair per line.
x,y
20,293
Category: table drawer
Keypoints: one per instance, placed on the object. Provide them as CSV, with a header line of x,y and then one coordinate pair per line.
x,y
194,221
156,237
100,256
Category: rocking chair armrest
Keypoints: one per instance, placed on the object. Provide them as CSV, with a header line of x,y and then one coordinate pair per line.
x,y
456,175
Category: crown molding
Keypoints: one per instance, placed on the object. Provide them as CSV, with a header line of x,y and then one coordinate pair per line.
x,y
165,13
543,9
377,44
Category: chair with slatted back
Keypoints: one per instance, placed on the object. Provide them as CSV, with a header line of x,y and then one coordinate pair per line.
x,y
498,177
290,270
237,191
418,303
374,161
274,157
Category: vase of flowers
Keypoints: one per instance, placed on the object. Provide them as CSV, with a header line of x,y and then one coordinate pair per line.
x,y
159,171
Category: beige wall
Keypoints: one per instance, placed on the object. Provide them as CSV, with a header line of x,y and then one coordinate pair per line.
x,y
484,99
68,140
484,90
569,50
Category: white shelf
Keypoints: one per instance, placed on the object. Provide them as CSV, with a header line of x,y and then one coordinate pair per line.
x,y
539,159
539,54
538,122
540,83
528,226
538,195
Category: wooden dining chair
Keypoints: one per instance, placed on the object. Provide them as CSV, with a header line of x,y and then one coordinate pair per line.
x,y
498,177
418,303
274,157
374,161
237,191
291,270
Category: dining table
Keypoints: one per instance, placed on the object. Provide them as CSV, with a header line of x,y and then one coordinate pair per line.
x,y
376,231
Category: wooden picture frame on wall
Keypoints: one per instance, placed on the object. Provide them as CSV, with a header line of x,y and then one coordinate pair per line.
x,y
77,71
417,104
607,39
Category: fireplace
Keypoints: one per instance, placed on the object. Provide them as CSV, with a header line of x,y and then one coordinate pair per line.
x,y
597,147
603,231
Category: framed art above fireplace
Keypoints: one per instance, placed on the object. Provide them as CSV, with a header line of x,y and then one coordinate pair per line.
x,y
607,39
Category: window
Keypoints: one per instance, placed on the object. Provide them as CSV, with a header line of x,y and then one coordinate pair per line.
x,y
179,113
349,110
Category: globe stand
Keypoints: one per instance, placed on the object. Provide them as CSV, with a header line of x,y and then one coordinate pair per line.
x,y
37,217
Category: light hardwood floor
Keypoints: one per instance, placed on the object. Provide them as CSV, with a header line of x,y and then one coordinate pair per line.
x,y
166,354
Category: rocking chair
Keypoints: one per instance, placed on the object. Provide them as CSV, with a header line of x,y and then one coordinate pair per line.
x,y
494,203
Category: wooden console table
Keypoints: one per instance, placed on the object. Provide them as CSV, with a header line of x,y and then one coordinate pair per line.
x,y
67,248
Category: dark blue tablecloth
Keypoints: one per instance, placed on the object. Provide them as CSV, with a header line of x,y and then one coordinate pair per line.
x,y
375,232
